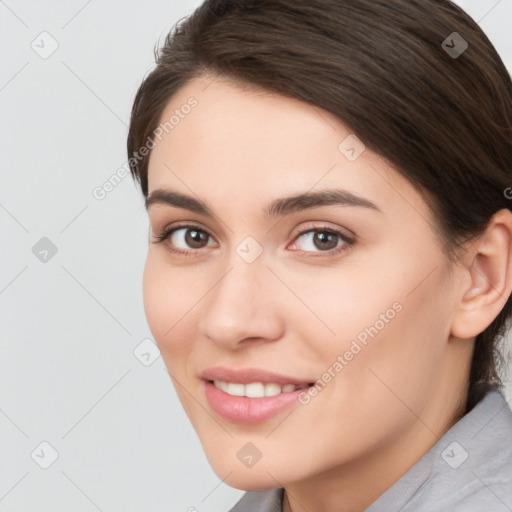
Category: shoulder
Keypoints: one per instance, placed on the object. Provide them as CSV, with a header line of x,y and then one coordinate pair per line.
x,y
260,501
470,467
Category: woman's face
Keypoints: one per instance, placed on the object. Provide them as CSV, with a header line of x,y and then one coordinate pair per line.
x,y
348,289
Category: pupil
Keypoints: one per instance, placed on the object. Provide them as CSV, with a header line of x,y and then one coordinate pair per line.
x,y
194,237
323,239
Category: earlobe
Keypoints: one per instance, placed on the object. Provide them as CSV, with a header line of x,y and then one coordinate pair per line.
x,y
488,284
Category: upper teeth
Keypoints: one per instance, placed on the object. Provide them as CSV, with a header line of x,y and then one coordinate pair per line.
x,y
255,389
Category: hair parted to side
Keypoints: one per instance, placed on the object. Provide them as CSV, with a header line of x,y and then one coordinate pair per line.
x,y
444,123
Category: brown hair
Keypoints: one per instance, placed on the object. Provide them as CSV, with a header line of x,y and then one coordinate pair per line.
x,y
444,121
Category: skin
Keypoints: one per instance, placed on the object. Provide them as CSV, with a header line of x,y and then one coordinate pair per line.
x,y
239,149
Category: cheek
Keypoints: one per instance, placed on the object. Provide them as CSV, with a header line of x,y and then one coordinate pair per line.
x,y
166,302
389,324
338,305
402,338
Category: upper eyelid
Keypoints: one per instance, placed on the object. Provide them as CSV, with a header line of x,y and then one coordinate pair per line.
x,y
317,227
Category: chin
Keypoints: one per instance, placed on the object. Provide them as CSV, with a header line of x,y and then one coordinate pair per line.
x,y
248,481
261,476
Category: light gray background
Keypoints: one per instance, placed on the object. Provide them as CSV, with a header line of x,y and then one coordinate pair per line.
x,y
70,325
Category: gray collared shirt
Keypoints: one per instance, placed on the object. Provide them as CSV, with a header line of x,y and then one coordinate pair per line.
x,y
469,469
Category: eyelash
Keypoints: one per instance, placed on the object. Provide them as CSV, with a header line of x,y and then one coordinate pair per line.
x,y
348,242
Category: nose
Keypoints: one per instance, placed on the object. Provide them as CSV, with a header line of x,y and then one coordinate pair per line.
x,y
243,306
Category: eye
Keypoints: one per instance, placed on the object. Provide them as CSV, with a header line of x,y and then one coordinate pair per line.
x,y
322,240
187,240
183,238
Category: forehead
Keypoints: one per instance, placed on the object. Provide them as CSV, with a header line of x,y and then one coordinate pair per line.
x,y
248,118
258,144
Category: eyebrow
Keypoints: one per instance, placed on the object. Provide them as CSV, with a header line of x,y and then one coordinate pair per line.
x,y
277,208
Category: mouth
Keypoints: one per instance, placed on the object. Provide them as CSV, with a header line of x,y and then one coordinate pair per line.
x,y
251,395
251,403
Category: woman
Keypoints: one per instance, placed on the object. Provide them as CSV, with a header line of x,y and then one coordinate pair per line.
x,y
329,274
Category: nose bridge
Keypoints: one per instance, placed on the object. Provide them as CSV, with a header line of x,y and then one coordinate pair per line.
x,y
245,275
240,304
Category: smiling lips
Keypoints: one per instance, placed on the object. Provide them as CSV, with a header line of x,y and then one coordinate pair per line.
x,y
250,395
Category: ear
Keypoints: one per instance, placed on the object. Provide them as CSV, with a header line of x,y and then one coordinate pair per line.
x,y
487,267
